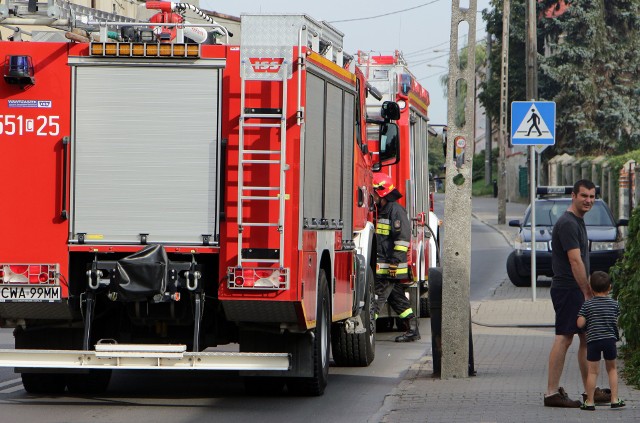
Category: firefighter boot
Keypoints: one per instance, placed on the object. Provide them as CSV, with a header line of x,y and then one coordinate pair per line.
x,y
413,334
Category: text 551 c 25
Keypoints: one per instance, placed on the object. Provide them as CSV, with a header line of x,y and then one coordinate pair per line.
x,y
42,126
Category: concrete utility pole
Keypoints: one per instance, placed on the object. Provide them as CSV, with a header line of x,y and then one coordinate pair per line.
x,y
504,108
488,167
457,207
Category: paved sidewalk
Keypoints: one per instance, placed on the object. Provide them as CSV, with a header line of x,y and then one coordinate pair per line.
x,y
511,362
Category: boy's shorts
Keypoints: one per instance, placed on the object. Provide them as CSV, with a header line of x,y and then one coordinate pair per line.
x,y
602,347
567,303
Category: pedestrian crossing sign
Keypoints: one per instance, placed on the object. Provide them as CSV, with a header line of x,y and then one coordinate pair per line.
x,y
533,122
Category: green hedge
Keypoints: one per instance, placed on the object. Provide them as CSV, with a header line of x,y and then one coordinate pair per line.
x,y
625,276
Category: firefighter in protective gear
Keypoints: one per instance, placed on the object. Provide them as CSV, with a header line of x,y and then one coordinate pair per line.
x,y
393,232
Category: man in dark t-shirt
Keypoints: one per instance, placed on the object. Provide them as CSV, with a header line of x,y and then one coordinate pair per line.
x,y
569,289
569,233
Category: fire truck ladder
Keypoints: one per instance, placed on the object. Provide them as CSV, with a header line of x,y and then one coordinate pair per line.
x,y
251,118
54,13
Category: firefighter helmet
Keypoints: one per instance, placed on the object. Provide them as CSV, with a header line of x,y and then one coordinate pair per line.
x,y
383,184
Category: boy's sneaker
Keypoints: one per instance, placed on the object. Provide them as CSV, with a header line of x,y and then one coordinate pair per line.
x,y
618,404
588,407
560,399
601,396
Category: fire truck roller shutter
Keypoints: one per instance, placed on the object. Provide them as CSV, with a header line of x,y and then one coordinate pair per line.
x,y
145,150
333,156
314,149
421,164
329,155
348,129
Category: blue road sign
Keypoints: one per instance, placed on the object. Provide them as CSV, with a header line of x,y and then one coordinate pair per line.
x,y
533,123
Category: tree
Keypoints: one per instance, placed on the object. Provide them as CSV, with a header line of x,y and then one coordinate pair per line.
x,y
489,95
590,70
593,65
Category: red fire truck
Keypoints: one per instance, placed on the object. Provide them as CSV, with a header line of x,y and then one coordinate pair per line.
x,y
166,198
391,77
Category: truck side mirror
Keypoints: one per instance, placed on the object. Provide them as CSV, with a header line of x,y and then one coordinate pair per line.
x,y
390,111
389,144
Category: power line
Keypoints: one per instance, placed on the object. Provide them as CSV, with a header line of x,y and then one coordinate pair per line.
x,y
431,59
427,50
432,75
386,14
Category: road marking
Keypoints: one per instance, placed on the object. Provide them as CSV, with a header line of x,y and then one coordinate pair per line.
x,y
11,382
13,388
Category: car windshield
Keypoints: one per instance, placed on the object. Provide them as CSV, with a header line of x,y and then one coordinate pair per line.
x,y
548,212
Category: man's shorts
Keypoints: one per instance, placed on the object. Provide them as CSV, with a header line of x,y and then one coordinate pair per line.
x,y
602,347
567,303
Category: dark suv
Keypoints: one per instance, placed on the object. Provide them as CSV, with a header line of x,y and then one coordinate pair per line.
x,y
606,243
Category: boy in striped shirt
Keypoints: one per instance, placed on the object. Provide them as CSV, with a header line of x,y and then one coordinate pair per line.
x,y
600,316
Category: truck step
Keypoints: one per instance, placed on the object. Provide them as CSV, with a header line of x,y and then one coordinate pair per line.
x,y
263,112
252,188
261,125
128,356
269,152
244,161
258,197
254,260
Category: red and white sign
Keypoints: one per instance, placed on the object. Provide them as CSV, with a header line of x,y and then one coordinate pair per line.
x,y
266,64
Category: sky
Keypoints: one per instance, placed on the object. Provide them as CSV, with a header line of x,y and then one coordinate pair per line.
x,y
421,33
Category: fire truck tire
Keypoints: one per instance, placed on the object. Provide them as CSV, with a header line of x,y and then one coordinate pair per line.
x,y
315,385
43,338
44,383
264,386
94,382
357,349
424,306
385,324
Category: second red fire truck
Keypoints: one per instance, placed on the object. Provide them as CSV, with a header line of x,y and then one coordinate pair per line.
x,y
391,77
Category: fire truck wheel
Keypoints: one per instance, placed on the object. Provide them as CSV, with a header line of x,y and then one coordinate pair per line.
x,y
314,386
385,324
44,383
264,386
424,306
94,382
357,349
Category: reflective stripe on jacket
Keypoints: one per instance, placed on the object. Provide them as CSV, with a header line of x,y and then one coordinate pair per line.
x,y
393,233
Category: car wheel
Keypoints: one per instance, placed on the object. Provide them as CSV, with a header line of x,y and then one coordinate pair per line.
x,y
512,272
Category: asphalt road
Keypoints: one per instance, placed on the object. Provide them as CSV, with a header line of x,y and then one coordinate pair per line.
x,y
353,395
